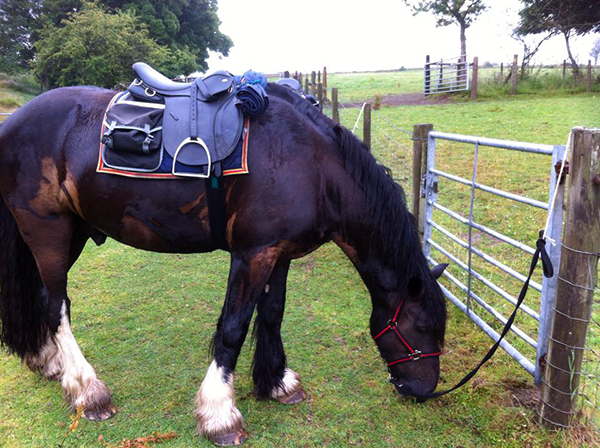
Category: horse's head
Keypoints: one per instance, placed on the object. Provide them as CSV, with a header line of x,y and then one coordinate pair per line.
x,y
410,335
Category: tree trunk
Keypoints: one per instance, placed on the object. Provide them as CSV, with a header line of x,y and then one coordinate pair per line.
x,y
572,59
463,70
463,40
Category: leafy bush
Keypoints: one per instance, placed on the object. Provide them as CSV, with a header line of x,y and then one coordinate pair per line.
x,y
94,47
377,102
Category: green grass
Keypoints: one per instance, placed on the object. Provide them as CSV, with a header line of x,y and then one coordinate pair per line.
x,y
363,86
145,320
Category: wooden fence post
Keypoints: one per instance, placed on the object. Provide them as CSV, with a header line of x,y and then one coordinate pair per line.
x,y
335,112
427,75
564,68
513,75
577,279
367,126
320,93
306,85
475,74
325,82
501,70
588,86
419,165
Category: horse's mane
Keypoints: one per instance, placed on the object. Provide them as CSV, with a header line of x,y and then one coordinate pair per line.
x,y
389,217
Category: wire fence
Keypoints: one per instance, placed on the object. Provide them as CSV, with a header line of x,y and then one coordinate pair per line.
x,y
586,411
589,387
391,144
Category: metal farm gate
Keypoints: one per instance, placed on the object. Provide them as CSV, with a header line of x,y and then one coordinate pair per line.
x,y
446,75
486,315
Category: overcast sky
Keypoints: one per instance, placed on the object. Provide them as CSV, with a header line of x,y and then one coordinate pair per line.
x,y
345,35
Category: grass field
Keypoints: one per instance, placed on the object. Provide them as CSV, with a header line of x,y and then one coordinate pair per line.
x,y
145,320
540,82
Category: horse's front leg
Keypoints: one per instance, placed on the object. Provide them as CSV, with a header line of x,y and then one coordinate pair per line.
x,y
216,414
272,378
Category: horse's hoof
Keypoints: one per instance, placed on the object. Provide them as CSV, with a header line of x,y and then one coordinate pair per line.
x,y
295,397
232,439
99,416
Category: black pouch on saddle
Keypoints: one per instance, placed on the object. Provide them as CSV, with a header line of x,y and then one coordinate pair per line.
x,y
132,137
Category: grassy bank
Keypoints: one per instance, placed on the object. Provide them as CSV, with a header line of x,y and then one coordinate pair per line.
x,y
16,91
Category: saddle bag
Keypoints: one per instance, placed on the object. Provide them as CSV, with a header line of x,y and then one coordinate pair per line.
x,y
134,127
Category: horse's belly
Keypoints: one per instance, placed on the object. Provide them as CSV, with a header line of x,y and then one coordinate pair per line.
x,y
158,222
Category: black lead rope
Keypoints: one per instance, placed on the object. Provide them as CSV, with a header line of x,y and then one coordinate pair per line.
x,y
548,272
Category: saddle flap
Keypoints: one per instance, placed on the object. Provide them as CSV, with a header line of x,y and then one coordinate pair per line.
x,y
219,126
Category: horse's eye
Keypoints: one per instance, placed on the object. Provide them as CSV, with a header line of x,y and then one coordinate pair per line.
x,y
421,327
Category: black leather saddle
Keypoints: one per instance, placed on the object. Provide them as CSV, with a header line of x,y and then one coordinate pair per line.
x,y
202,123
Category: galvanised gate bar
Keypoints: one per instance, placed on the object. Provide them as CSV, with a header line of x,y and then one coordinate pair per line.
x,y
548,286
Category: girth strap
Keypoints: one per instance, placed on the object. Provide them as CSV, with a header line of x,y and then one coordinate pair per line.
x,y
217,212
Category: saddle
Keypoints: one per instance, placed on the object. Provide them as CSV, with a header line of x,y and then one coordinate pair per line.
x,y
201,123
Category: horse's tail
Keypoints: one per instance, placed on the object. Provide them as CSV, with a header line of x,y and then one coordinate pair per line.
x,y
23,328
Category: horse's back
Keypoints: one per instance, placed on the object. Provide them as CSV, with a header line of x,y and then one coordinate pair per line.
x,y
40,128
33,141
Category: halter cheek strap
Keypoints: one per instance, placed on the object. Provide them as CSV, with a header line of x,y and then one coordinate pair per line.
x,y
413,354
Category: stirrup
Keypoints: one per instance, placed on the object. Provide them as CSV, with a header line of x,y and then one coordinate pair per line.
x,y
198,141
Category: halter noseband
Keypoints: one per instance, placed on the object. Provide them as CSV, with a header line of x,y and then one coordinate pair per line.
x,y
413,355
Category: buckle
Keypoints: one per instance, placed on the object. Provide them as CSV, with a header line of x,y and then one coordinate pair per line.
x,y
391,323
415,356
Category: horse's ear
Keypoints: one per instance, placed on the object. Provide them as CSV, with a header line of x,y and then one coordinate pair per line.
x,y
415,286
438,270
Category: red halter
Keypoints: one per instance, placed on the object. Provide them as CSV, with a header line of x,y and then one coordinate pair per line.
x,y
414,355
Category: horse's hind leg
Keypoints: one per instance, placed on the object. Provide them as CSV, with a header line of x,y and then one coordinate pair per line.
x,y
272,378
55,245
49,361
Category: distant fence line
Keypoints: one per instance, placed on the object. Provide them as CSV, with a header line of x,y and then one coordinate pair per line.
x,y
313,84
457,75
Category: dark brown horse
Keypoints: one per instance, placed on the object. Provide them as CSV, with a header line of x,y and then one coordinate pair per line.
x,y
311,182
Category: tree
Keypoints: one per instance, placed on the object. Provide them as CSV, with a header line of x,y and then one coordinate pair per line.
x,y
81,52
190,28
18,19
183,25
566,17
595,52
448,12
530,48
